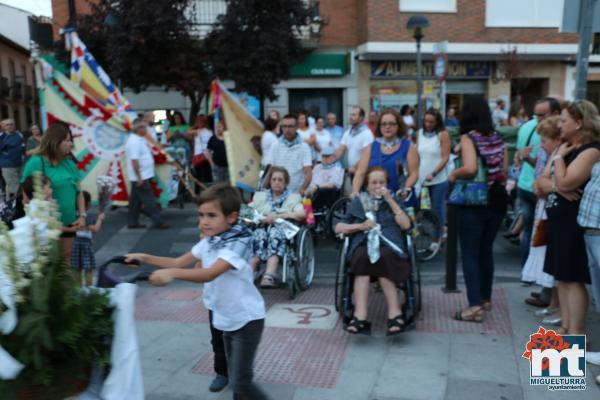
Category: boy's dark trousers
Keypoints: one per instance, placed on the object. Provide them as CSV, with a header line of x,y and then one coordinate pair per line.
x,y
240,347
216,339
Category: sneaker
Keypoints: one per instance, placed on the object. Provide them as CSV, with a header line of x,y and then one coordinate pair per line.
x,y
546,312
552,320
218,383
593,357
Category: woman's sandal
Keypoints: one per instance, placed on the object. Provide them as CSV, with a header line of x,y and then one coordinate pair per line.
x,y
396,322
268,281
473,316
362,327
486,305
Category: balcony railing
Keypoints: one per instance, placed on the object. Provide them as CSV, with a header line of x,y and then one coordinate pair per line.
x,y
204,13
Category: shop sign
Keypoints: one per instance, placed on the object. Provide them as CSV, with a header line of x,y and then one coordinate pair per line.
x,y
322,64
408,69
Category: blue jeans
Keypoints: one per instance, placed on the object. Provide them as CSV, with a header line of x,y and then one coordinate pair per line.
x,y
592,244
438,194
527,201
240,348
477,228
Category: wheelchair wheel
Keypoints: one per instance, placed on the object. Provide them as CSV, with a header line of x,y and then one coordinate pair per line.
x,y
335,214
304,270
289,264
412,252
416,282
427,230
292,289
343,285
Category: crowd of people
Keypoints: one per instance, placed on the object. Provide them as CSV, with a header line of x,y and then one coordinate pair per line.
x,y
383,163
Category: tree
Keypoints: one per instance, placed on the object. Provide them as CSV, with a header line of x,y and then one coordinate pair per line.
x,y
142,43
256,42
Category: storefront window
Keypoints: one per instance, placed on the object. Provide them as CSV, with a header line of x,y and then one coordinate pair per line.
x,y
317,102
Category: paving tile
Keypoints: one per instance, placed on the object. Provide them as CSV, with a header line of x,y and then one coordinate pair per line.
x,y
464,389
413,377
181,247
191,231
493,362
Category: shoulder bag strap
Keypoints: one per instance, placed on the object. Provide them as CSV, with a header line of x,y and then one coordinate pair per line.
x,y
530,136
482,162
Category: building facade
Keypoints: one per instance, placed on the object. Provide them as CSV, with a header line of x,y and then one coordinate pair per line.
x,y
498,48
365,55
18,95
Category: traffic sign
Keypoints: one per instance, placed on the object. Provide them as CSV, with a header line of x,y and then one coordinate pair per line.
x,y
440,67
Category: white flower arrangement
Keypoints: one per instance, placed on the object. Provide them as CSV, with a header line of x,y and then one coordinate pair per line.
x,y
23,256
24,250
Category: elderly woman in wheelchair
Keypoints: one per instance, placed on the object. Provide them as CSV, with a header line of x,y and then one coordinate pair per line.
x,y
376,208
269,240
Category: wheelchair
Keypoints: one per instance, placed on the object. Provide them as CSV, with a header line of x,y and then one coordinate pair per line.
x,y
329,205
344,282
297,264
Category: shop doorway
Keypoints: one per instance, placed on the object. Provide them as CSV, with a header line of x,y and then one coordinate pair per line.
x,y
317,102
457,90
527,91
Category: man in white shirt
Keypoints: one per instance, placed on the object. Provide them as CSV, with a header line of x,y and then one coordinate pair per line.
x,y
499,115
334,129
355,139
140,169
291,153
269,137
151,135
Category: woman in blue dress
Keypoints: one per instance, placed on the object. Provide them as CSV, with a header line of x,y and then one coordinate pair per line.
x,y
394,151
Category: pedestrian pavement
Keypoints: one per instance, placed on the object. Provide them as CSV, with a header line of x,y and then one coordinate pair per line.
x,y
305,354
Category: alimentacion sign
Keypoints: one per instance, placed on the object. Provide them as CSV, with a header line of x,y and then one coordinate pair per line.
x,y
408,70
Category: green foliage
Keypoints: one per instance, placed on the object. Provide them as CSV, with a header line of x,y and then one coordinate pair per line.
x,y
61,330
256,42
141,43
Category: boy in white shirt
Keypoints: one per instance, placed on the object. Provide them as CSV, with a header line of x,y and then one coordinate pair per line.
x,y
222,260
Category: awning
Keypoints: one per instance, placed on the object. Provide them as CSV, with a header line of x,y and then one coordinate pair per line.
x,y
322,64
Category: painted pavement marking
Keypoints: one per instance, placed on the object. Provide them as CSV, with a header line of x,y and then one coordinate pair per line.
x,y
301,316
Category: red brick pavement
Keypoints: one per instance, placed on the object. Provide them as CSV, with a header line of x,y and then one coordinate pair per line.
x,y
313,357
185,305
304,357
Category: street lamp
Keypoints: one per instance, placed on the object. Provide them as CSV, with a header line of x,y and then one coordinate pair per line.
x,y
416,24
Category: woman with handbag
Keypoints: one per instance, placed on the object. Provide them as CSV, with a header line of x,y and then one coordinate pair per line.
x,y
565,179
201,135
480,194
